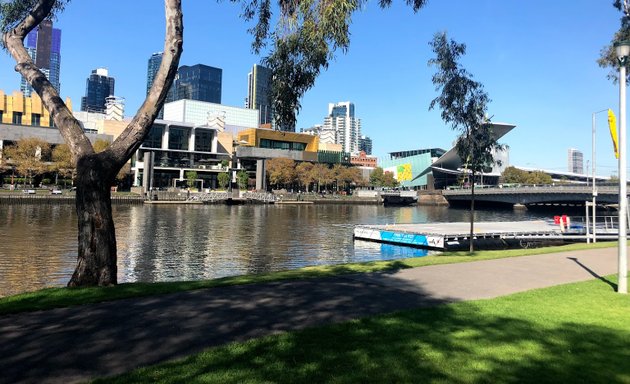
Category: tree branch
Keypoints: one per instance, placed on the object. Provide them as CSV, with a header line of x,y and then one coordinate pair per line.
x,y
69,127
131,138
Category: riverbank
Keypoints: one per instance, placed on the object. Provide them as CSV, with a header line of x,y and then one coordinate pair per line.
x,y
493,340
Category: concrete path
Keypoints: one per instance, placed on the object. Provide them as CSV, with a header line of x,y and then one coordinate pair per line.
x,y
76,344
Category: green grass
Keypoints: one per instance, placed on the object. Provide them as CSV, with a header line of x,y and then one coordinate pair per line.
x,y
575,333
66,297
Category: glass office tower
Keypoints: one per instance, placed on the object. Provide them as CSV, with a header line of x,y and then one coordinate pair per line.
x,y
197,82
153,66
43,44
259,93
98,87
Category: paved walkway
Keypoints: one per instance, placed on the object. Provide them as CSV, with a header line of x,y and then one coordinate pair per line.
x,y
75,344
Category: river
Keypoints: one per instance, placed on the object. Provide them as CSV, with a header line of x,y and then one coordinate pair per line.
x,y
192,242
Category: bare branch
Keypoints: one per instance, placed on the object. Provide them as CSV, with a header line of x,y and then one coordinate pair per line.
x,y
131,138
13,40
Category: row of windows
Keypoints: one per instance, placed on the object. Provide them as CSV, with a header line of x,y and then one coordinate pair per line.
x,y
17,118
287,145
178,139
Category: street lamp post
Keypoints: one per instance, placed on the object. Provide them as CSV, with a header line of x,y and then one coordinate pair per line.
x,y
622,50
593,163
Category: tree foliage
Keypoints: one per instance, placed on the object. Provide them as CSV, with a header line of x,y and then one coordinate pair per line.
x,y
379,178
223,179
607,56
242,179
29,156
305,175
281,172
513,175
191,178
463,103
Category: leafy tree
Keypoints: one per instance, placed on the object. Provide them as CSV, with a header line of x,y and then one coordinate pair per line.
x,y
607,56
376,177
305,40
224,179
100,145
323,175
305,175
538,177
281,172
389,181
191,177
463,103
62,161
242,179
513,175
29,156
350,176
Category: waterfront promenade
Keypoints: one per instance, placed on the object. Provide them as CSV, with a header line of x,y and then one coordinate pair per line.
x,y
76,344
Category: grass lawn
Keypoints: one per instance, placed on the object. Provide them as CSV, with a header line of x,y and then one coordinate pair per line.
x,y
575,333
65,297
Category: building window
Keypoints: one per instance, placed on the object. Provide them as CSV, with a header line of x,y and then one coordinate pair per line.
x,y
17,117
154,138
203,140
178,138
35,119
286,145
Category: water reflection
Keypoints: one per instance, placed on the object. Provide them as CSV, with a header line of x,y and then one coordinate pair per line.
x,y
166,243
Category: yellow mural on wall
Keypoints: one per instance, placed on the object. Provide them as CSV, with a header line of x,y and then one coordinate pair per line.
x,y
404,172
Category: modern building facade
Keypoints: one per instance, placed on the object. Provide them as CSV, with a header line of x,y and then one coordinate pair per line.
x,y
365,145
25,110
98,87
43,44
153,66
231,119
171,149
576,161
198,82
341,121
259,94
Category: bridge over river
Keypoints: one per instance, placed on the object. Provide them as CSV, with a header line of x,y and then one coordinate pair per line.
x,y
532,196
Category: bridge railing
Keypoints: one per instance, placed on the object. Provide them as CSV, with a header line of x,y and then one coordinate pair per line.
x,y
531,189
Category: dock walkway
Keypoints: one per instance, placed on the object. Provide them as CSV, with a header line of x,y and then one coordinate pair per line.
x,y
453,236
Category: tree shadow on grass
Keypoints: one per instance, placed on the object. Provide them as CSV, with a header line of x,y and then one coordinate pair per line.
x,y
457,343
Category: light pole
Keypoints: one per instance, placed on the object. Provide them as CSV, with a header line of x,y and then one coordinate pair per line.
x,y
594,126
622,50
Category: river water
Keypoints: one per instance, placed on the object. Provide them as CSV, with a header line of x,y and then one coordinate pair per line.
x,y
38,243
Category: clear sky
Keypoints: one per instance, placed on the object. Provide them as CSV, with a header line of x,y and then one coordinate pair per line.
x,y
536,59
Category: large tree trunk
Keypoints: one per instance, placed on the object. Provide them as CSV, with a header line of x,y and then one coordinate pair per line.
x,y
96,262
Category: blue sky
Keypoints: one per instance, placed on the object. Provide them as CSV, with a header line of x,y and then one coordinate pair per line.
x,y
535,58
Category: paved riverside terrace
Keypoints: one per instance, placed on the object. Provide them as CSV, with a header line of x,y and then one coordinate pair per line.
x,y
69,345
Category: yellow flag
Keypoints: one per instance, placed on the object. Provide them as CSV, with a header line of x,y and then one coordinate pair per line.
x,y
612,124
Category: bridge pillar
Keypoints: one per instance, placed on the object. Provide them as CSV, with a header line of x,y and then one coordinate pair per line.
x,y
261,175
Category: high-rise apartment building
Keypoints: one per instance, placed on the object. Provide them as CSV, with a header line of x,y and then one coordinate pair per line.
x,y
576,161
43,44
98,87
153,66
365,145
346,127
198,82
259,93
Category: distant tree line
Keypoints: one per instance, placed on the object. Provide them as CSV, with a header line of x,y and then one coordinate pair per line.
x,y
513,175
31,159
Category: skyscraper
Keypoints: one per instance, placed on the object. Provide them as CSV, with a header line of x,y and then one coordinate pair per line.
x,y
98,87
198,82
259,93
154,64
342,121
365,145
43,44
576,159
